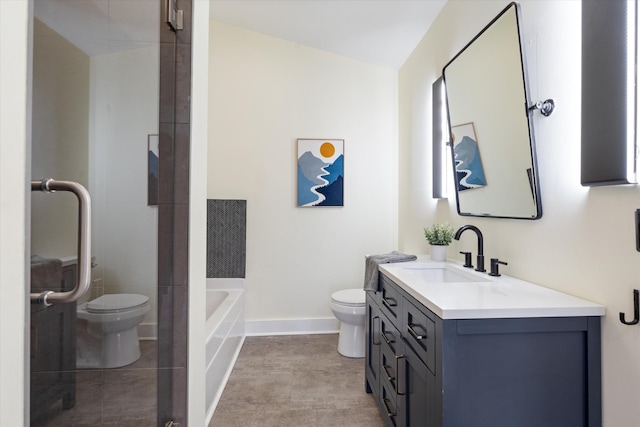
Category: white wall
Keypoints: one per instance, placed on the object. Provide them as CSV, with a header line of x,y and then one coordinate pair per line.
x,y
198,212
264,93
584,244
124,111
15,136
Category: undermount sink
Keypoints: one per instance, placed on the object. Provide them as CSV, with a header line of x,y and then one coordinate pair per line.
x,y
442,274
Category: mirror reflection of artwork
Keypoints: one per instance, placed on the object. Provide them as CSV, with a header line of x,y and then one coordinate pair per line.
x,y
469,171
486,85
320,172
153,169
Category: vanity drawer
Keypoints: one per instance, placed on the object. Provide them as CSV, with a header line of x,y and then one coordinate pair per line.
x,y
388,403
390,339
388,368
390,299
420,333
389,334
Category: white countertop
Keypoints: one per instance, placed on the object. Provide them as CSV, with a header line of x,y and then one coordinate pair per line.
x,y
485,297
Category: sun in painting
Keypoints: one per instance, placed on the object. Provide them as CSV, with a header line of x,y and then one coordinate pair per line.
x,y
327,149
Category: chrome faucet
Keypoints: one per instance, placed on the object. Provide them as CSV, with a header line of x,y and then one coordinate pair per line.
x,y
480,266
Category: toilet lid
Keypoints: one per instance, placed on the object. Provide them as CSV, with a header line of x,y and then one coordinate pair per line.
x,y
351,297
116,302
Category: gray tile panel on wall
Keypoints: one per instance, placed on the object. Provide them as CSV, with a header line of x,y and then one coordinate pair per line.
x,y
226,238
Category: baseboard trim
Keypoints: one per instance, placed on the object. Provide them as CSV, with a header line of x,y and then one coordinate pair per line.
x,y
148,331
292,327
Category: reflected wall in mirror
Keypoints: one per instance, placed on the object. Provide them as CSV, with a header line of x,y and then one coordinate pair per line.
x,y
493,148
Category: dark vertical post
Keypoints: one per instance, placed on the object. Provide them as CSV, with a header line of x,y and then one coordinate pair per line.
x,y
173,216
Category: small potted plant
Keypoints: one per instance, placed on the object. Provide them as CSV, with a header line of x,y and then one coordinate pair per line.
x,y
439,237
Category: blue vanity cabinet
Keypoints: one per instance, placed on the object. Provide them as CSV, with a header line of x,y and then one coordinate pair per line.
x,y
390,372
53,349
390,299
417,400
485,372
372,343
396,375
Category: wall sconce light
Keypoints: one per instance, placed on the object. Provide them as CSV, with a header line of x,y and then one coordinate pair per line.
x,y
609,92
440,139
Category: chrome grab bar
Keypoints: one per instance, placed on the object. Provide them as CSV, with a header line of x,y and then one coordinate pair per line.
x,y
48,298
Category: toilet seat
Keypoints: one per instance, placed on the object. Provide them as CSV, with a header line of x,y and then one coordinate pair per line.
x,y
116,303
349,297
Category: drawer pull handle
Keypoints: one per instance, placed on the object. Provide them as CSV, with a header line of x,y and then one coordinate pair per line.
x,y
389,302
373,333
386,372
414,334
386,339
398,373
386,408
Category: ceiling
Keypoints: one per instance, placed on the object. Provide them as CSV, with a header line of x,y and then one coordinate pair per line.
x,y
379,32
99,27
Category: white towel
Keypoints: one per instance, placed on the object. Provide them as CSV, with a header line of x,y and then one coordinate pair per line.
x,y
372,263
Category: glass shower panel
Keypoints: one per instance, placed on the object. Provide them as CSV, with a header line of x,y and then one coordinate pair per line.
x,y
95,113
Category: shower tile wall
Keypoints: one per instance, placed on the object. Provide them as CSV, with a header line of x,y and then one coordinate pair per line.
x,y
173,218
226,238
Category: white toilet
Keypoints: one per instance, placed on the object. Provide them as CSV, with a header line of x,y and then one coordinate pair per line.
x,y
349,307
108,330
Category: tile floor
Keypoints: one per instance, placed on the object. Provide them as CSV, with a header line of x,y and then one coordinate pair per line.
x,y
283,381
295,381
122,397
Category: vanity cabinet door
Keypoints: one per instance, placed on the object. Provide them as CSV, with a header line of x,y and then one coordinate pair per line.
x,y
417,399
420,332
53,350
388,405
391,340
372,353
389,372
390,299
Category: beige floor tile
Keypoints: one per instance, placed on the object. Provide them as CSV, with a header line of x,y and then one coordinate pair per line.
x,y
295,381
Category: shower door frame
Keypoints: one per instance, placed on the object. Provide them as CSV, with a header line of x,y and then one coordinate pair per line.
x,y
16,19
173,216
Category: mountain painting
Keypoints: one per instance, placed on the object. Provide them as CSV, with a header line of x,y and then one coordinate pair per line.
x,y
320,172
153,170
469,170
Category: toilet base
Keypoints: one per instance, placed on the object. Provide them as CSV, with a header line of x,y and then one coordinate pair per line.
x,y
121,348
111,350
351,340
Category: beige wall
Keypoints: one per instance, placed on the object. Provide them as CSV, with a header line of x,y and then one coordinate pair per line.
x,y
265,93
60,143
91,118
584,244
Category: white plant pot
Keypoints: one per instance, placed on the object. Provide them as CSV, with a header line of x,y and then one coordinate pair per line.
x,y
438,253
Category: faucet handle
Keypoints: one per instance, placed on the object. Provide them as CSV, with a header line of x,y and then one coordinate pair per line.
x,y
467,259
494,267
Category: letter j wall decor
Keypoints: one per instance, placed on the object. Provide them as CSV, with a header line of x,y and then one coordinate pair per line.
x,y
320,172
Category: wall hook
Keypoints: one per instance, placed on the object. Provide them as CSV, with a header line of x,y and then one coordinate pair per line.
x,y
636,311
546,107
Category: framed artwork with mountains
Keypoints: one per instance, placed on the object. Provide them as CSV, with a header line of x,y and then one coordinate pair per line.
x,y
320,172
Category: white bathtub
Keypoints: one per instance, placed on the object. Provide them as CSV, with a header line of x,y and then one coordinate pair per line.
x,y
225,335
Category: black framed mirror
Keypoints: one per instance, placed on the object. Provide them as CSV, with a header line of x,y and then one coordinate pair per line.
x,y
493,150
